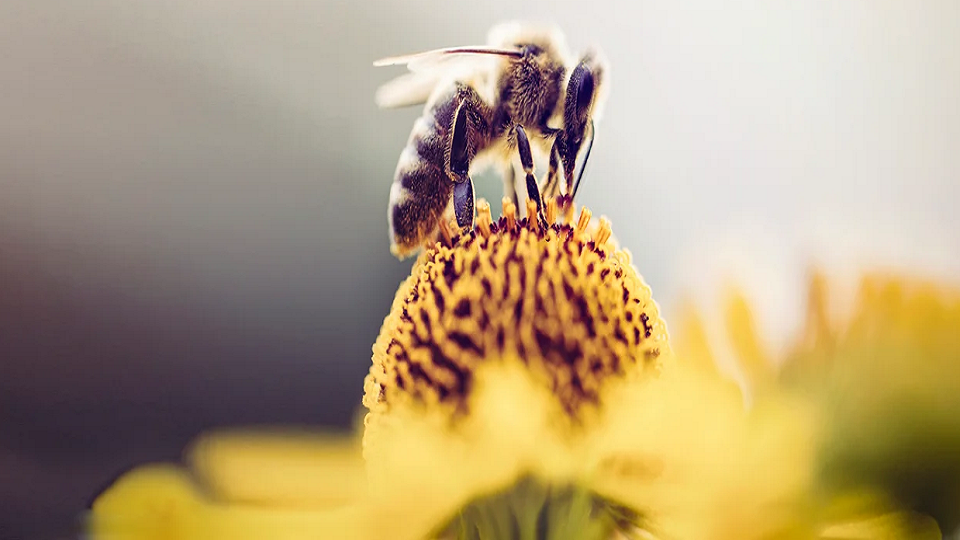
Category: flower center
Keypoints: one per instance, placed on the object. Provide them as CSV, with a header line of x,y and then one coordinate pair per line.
x,y
560,297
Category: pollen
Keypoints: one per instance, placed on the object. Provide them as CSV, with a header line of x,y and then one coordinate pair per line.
x,y
559,295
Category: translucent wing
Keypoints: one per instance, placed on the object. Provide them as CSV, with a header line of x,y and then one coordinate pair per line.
x,y
407,90
427,69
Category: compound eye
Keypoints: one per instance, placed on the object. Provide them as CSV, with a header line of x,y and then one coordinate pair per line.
x,y
584,93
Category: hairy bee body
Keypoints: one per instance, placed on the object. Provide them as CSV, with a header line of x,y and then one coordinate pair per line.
x,y
495,110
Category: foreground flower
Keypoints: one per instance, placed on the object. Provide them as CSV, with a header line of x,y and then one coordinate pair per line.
x,y
523,387
888,375
558,317
238,485
495,361
883,375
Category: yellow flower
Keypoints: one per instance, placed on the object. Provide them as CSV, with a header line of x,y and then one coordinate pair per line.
x,y
562,300
883,384
889,379
497,354
523,386
502,346
241,486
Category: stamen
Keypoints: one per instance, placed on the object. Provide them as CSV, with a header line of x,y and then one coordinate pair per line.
x,y
584,221
531,213
484,218
510,213
551,211
603,232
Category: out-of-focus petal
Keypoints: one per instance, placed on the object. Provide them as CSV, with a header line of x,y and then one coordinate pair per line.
x,y
157,502
280,468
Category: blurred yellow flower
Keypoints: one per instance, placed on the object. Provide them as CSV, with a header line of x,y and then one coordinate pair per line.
x,y
523,387
498,354
241,486
888,377
883,375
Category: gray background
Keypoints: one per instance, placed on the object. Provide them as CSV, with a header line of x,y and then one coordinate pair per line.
x,y
193,194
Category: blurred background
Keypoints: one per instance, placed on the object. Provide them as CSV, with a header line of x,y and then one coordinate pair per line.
x,y
193,194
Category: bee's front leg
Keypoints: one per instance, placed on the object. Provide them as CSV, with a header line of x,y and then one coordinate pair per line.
x,y
526,159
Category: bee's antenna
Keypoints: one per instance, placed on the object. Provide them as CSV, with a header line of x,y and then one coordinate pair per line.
x,y
586,157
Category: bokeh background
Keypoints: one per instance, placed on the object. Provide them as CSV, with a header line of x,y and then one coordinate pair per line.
x,y
193,194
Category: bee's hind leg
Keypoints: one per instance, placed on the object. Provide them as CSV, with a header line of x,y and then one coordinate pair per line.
x,y
461,152
526,159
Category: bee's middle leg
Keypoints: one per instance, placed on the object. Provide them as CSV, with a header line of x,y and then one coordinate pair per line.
x,y
526,159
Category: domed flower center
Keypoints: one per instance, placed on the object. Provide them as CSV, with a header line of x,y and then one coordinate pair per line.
x,y
559,296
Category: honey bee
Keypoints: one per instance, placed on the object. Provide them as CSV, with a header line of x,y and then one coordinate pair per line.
x,y
487,106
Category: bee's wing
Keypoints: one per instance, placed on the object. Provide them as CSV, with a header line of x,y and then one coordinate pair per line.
x,y
427,69
417,61
407,90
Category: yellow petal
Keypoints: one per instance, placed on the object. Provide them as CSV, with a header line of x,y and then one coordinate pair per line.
x,y
758,368
162,502
888,526
280,468
158,502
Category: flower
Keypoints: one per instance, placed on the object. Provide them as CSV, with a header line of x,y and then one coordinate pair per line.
x,y
561,299
888,378
882,379
523,386
241,485
502,345
507,331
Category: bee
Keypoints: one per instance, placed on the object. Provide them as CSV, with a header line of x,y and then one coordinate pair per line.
x,y
486,106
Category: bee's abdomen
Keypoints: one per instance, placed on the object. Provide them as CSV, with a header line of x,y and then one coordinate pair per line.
x,y
421,188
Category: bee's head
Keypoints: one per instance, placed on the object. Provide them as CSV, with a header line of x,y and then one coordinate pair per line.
x,y
580,109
